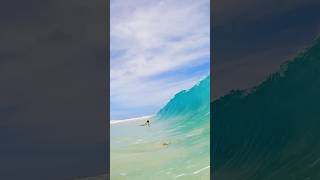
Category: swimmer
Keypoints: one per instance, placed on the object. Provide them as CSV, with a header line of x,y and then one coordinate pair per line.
x,y
147,123
165,144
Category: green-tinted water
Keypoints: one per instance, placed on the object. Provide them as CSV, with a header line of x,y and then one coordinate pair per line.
x,y
175,146
272,131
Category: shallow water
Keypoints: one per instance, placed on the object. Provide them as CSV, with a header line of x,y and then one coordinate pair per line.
x,y
139,152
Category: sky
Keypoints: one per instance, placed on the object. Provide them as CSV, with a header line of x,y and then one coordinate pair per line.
x,y
158,48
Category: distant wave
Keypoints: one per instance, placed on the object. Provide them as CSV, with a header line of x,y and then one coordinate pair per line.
x,y
131,119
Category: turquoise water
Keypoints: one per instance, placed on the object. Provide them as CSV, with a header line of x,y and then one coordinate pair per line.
x,y
175,146
271,132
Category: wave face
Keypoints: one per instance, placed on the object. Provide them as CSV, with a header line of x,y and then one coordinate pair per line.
x,y
271,132
175,146
187,116
188,104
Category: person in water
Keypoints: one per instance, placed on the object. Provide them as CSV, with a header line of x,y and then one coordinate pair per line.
x,y
147,123
165,144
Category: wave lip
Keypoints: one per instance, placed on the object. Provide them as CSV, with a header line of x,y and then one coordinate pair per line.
x,y
188,102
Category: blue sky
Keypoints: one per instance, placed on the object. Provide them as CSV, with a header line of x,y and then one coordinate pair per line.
x,y
158,48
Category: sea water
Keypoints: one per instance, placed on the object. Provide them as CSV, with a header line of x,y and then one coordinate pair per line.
x,y
176,145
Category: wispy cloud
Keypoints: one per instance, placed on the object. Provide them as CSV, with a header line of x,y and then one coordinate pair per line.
x,y
157,49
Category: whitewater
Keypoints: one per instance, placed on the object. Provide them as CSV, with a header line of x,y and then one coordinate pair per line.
x,y
175,146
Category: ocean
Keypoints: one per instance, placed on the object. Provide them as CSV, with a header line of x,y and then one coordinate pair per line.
x,y
175,146
272,131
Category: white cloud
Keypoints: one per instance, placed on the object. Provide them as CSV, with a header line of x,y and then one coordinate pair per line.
x,y
150,38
